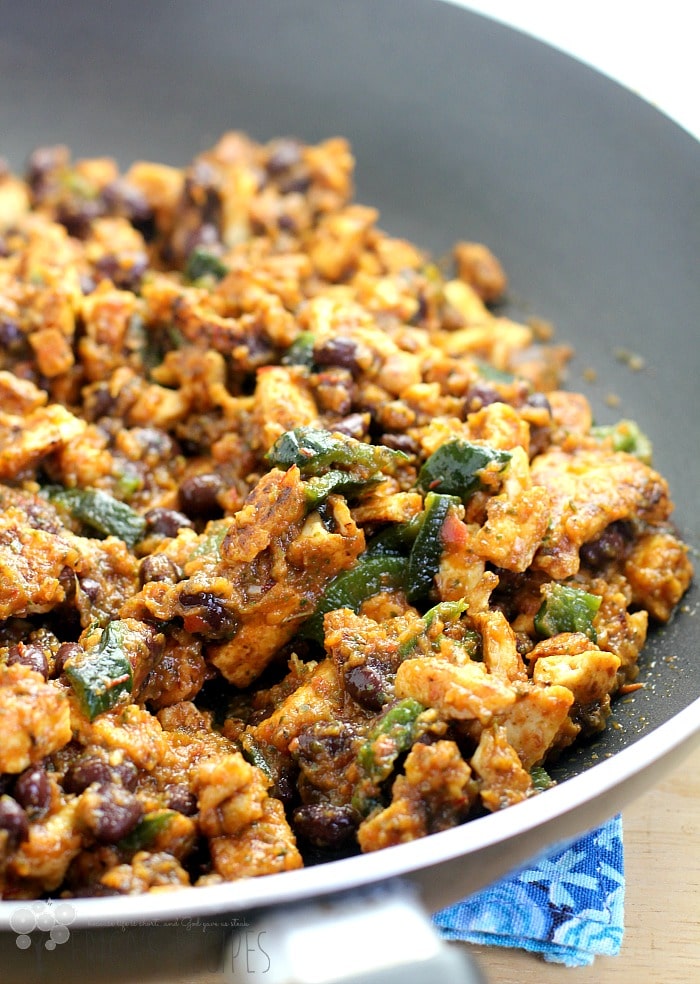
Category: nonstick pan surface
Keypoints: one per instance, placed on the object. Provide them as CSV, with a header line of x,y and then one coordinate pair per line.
x,y
461,128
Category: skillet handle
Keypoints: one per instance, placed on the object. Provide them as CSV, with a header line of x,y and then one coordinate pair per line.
x,y
380,935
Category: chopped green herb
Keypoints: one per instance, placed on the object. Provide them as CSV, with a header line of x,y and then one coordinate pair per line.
x,y
566,609
101,677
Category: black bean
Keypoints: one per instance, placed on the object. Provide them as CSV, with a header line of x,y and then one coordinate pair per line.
x,y
354,425
337,352
65,652
127,276
87,283
327,740
126,199
540,401
42,161
14,820
67,581
607,547
207,614
127,773
85,772
77,215
325,825
166,522
31,655
284,154
202,190
199,496
179,797
481,395
206,235
400,442
11,336
116,814
89,769
367,685
90,587
99,403
33,790
297,182
158,567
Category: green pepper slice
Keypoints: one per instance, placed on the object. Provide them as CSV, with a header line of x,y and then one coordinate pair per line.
x,y
394,733
626,436
203,263
102,676
209,544
319,487
455,467
424,559
396,540
446,611
315,451
350,588
541,779
100,512
145,831
301,351
566,609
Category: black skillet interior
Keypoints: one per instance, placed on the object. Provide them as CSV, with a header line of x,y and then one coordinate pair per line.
x,y
461,129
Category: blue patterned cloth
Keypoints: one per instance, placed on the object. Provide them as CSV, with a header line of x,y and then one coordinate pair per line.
x,y
568,906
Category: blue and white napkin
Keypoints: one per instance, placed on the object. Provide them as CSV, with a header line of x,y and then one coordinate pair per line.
x,y
569,906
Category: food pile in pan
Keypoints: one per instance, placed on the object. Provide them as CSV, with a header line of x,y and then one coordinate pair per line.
x,y
303,549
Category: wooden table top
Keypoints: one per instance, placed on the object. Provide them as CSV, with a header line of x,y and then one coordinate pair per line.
x,y
662,904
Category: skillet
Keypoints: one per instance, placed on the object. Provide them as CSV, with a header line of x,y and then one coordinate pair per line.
x,y
461,128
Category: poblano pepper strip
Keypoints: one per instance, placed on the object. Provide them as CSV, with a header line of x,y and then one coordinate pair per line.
x,y
446,611
315,451
350,588
424,559
100,512
396,540
301,351
394,733
203,263
100,677
319,487
145,831
566,609
541,779
626,436
455,467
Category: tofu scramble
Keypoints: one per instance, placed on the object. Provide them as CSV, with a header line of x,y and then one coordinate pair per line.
x,y
304,550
